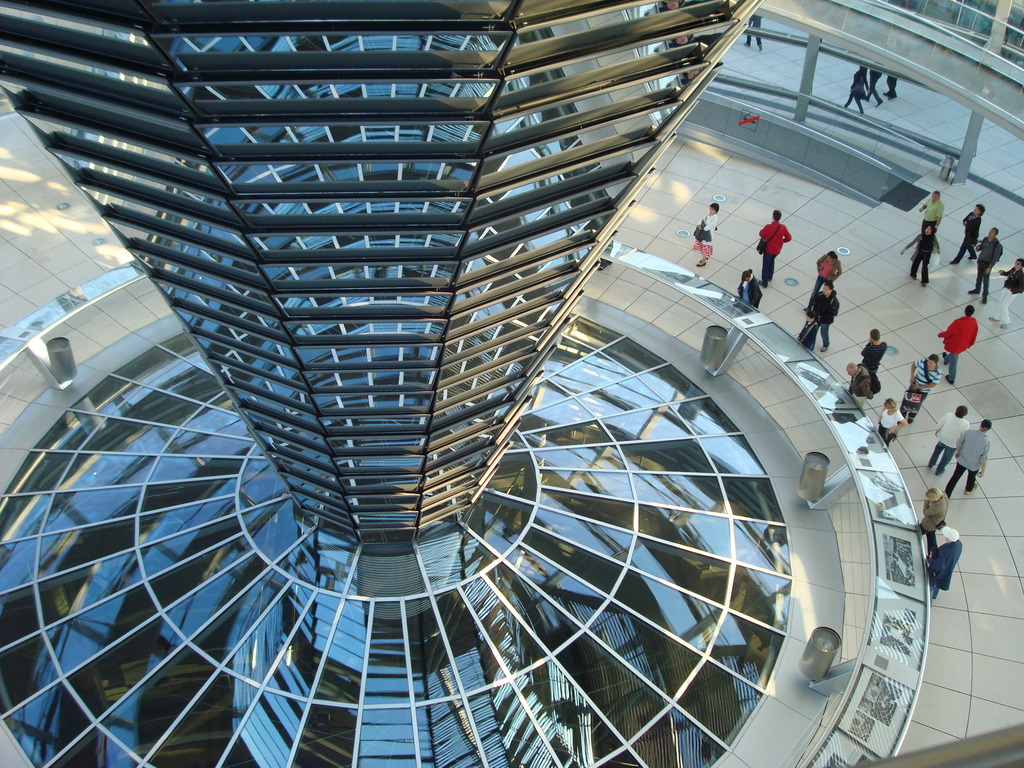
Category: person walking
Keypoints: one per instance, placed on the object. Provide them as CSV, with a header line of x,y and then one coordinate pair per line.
x,y
971,457
702,234
858,89
825,308
951,427
1012,288
754,23
890,85
924,377
933,208
936,504
873,77
873,352
829,268
749,291
989,251
926,243
942,565
957,339
972,232
773,236
891,421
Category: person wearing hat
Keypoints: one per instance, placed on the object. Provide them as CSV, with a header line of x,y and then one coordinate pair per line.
x,y
971,457
941,567
935,505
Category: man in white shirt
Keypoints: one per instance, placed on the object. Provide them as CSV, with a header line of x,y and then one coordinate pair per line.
x,y
951,426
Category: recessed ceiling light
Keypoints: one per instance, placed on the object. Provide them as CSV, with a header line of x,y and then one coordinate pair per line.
x,y
63,206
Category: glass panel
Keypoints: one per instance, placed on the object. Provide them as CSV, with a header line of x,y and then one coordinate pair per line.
x,y
766,546
707,532
518,649
746,648
685,616
343,667
653,654
540,615
73,548
694,491
674,456
733,455
386,679
677,741
109,676
572,727
603,510
64,720
21,515
88,632
328,739
627,702
762,596
446,739
272,729
387,739
221,636
473,658
24,669
752,497
606,541
70,510
658,424
720,701
75,590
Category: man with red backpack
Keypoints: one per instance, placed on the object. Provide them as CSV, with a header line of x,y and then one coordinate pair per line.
x,y
773,237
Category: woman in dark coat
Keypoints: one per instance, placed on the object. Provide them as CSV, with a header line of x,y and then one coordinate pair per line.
x,y
926,243
859,89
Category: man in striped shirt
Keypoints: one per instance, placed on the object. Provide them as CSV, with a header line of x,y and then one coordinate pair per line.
x,y
924,376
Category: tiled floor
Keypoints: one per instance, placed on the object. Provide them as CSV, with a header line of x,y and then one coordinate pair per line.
x,y
973,682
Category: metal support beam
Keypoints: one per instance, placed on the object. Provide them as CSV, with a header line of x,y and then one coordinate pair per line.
x,y
969,148
807,78
733,344
835,486
836,680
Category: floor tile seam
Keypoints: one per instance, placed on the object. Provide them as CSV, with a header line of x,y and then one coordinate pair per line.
x,y
1000,702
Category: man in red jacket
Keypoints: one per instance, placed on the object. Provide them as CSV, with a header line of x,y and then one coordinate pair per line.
x,y
959,337
775,236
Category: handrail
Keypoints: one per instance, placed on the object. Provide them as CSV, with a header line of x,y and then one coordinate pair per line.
x,y
949,63
889,663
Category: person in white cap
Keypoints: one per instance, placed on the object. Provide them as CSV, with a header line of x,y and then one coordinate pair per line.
x,y
940,567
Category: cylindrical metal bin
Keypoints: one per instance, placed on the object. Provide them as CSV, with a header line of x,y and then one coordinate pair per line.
x,y
62,359
812,476
712,354
820,652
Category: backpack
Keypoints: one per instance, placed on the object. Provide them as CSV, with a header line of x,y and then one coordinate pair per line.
x,y
876,385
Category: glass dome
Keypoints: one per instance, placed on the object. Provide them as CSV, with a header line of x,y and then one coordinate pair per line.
x,y
616,596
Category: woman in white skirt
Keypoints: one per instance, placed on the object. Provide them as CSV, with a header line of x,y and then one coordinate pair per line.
x,y
703,234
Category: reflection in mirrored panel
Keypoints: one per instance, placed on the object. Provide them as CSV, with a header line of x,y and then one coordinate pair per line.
x,y
629,547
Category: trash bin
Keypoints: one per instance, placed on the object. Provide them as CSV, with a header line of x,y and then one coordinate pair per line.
x,y
820,652
712,354
946,168
62,359
812,476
